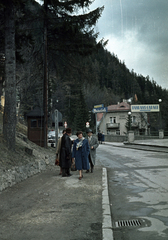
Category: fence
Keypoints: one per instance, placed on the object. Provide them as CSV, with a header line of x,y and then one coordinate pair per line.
x,y
122,138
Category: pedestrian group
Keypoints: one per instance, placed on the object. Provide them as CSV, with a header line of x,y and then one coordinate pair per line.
x,y
82,154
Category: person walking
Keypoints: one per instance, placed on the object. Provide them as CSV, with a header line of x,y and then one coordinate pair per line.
x,y
100,136
80,153
93,143
65,153
58,149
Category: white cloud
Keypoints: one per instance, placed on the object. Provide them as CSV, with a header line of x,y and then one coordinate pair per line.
x,y
140,57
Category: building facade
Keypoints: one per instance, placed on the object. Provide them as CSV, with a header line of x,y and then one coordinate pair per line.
x,y
114,121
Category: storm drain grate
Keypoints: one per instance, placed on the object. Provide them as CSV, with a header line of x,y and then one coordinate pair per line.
x,y
128,223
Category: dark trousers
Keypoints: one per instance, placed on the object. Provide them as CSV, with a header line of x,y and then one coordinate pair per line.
x,y
65,171
91,164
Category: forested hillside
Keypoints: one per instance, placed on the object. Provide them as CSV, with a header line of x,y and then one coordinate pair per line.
x,y
81,72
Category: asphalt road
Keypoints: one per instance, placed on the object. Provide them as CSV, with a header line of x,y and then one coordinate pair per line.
x,y
138,190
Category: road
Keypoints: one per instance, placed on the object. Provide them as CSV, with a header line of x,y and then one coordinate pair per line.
x,y
138,190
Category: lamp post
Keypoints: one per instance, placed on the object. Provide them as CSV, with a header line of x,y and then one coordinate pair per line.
x,y
129,120
130,133
160,117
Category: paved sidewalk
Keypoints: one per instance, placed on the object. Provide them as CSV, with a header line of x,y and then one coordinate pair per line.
x,y
47,206
148,142
153,142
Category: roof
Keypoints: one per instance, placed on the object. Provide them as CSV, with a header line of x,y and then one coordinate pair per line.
x,y
36,112
123,106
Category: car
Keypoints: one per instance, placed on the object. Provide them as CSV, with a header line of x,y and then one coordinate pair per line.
x,y
51,136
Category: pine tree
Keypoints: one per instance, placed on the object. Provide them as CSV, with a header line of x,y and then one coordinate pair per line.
x,y
128,124
9,121
9,8
82,113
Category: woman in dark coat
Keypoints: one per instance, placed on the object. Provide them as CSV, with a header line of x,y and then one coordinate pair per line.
x,y
80,152
65,153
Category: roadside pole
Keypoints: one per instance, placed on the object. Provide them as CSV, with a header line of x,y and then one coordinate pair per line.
x,y
96,123
56,127
98,109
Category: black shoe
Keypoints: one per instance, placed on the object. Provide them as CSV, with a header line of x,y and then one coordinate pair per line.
x,y
64,175
68,175
91,170
87,171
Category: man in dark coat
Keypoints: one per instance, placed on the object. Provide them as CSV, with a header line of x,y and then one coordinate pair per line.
x,y
65,153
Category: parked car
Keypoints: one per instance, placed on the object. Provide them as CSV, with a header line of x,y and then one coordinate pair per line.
x,y
51,136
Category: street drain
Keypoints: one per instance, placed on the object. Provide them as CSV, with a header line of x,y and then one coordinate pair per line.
x,y
128,223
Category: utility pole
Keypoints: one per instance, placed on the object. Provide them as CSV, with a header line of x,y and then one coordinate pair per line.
x,y
45,81
56,127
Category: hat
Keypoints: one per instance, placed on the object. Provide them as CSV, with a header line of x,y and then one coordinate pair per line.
x,y
68,130
89,130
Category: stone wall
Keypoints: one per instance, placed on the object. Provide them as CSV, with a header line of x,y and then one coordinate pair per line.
x,y
10,177
115,138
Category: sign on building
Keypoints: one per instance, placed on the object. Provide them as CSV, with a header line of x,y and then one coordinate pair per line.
x,y
145,108
99,106
99,110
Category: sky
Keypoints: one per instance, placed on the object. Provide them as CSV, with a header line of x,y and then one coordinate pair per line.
x,y
137,32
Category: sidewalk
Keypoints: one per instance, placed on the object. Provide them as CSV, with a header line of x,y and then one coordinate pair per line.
x,y
48,206
153,142
148,142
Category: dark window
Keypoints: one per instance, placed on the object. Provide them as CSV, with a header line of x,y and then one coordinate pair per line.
x,y
40,123
33,123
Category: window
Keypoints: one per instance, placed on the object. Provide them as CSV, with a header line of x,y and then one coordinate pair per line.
x,y
40,123
33,123
112,119
117,132
133,119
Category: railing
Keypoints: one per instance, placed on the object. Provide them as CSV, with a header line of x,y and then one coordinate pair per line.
x,y
112,125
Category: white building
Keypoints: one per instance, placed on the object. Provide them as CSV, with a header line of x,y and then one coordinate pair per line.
x,y
113,122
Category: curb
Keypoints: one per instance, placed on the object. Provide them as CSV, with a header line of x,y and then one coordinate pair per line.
x,y
107,232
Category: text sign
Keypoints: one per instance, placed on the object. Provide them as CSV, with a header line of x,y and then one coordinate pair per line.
x,y
145,108
99,106
99,110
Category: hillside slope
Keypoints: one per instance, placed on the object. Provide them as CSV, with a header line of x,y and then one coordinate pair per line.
x,y
20,157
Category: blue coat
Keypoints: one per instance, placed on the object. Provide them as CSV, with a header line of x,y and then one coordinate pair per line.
x,y
81,155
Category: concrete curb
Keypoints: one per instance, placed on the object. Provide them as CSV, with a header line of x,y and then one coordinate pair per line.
x,y
107,232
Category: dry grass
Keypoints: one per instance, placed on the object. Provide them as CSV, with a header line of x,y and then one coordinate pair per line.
x,y
19,156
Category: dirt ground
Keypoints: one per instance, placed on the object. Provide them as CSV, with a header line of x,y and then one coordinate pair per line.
x,y
19,157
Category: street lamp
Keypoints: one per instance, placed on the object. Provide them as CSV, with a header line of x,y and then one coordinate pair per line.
x,y
160,120
129,120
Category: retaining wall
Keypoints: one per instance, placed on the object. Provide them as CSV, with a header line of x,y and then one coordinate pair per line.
x,y
10,177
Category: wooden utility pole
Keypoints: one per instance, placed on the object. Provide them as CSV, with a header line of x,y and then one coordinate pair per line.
x,y
45,83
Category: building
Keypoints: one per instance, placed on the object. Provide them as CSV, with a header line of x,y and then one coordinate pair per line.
x,y
114,121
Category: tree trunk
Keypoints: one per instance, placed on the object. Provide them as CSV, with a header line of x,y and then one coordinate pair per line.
x,y
45,85
9,120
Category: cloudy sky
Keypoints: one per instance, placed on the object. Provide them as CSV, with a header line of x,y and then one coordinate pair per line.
x,y
137,31
138,34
